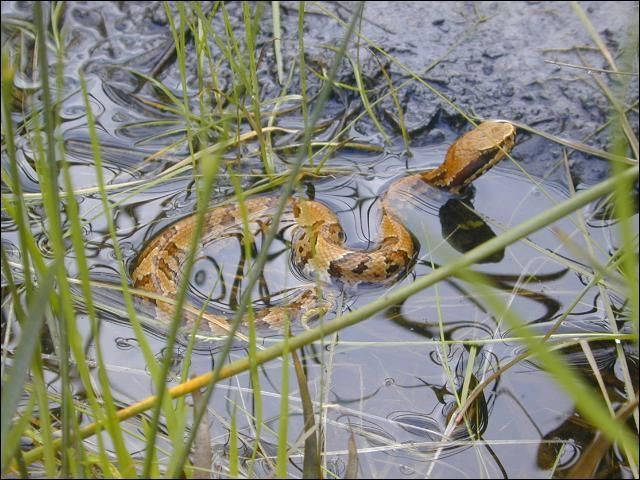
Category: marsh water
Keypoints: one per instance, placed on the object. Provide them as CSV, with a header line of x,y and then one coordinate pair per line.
x,y
392,380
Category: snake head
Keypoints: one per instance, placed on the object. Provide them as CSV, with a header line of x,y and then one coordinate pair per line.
x,y
472,155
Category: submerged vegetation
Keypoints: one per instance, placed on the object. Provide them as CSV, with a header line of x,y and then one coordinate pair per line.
x,y
94,386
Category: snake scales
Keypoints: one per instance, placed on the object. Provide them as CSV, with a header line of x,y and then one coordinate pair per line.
x,y
317,239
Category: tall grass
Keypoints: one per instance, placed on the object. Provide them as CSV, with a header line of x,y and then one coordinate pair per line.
x,y
42,294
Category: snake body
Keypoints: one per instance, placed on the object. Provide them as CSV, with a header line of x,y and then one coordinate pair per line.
x,y
318,249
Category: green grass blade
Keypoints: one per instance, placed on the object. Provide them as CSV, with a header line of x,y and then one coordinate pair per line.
x,y
277,39
283,427
47,168
31,327
233,446
311,464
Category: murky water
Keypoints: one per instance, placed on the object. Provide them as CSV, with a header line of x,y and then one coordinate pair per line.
x,y
388,380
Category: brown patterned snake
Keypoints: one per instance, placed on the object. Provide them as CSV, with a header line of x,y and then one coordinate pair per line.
x,y
317,238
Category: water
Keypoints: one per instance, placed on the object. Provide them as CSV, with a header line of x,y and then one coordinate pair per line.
x,y
389,379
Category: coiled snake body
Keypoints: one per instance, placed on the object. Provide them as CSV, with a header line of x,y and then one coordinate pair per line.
x,y
317,239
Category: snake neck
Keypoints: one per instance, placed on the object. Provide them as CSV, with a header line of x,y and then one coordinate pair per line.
x,y
439,177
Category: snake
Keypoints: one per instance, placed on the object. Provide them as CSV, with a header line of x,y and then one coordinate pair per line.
x,y
318,248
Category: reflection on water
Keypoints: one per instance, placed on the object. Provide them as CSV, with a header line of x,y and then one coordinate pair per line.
x,y
572,435
464,229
